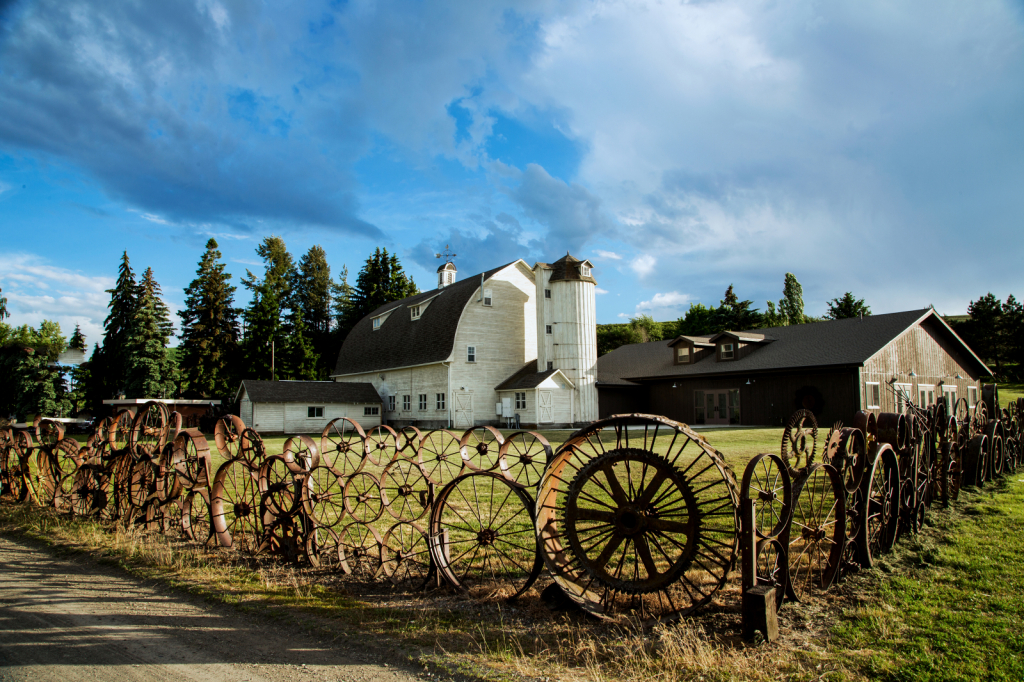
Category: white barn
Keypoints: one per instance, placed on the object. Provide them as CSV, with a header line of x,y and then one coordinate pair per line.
x,y
305,406
514,339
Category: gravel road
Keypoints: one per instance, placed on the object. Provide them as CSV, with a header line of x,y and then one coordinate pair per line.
x,y
63,620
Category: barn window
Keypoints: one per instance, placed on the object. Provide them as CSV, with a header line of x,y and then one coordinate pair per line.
x,y
414,311
440,401
727,351
584,270
423,401
873,394
470,353
406,403
547,329
376,323
371,411
551,365
314,412
972,396
949,397
926,395
487,296
903,393
391,403
521,401
547,293
683,355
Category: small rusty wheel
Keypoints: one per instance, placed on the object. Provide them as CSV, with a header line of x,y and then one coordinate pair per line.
x,y
149,430
482,536
381,445
323,497
852,458
168,484
141,483
881,492
405,490
773,568
997,457
251,449
323,548
523,457
363,502
405,556
234,507
342,445
48,432
195,517
441,457
284,537
120,434
122,465
360,545
190,459
766,481
227,435
301,454
47,474
800,440
409,441
894,429
279,491
90,495
817,536
482,446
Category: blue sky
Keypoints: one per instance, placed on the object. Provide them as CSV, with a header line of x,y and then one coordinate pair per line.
x,y
874,147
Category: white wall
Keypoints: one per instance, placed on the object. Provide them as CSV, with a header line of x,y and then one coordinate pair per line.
x,y
412,381
291,418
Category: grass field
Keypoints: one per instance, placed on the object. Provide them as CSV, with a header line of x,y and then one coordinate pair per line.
x,y
944,605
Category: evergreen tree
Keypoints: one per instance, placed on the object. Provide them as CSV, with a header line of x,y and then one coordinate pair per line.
x,y
846,306
1012,334
92,385
77,341
118,327
773,318
342,295
33,382
262,326
698,321
149,371
381,280
208,353
734,314
792,304
983,329
297,359
313,288
79,374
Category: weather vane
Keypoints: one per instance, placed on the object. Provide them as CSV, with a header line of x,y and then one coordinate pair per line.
x,y
446,254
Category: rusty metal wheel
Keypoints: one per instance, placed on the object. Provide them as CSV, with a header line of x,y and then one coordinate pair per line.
x,y
227,435
234,506
190,459
405,490
196,519
91,493
67,460
881,490
141,484
47,476
323,497
342,445
409,442
482,536
251,449
48,431
855,510
323,548
120,433
852,458
637,517
149,430
121,464
894,429
279,489
285,538
301,454
773,568
168,485
523,457
441,457
976,461
800,440
381,445
817,537
483,446
405,556
766,481
363,502
360,546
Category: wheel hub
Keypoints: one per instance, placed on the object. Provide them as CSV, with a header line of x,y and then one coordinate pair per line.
x,y
487,537
242,509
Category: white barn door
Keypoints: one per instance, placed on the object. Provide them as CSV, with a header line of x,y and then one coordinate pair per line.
x,y
545,407
463,410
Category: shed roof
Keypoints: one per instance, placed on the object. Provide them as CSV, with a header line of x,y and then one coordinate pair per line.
x,y
834,343
308,392
403,342
528,377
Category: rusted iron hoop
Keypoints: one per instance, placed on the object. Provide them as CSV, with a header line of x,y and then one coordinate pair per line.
x,y
280,490
773,567
381,445
362,496
301,454
233,510
766,481
227,435
409,441
523,457
251,449
360,547
323,497
816,539
323,548
800,440
149,430
343,446
191,459
196,520
441,456
405,556
482,445
406,492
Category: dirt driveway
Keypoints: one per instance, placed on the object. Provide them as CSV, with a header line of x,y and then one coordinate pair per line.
x,y
63,620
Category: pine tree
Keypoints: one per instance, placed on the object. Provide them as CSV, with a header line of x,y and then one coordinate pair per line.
x,y
124,301
297,359
847,306
77,341
734,314
792,304
33,382
208,353
313,295
262,325
381,280
149,371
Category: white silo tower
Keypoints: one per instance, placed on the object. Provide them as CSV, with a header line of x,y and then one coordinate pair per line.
x,y
567,328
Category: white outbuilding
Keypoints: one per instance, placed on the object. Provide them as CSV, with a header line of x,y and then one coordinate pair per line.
x,y
306,406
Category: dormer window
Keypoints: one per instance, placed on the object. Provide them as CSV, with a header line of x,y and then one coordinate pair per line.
x,y
584,270
376,323
728,351
414,312
683,355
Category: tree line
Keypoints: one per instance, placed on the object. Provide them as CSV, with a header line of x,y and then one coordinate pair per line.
x,y
994,330
292,328
730,314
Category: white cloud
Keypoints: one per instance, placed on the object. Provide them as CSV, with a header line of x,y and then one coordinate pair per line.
x,y
38,291
667,306
599,290
643,264
610,255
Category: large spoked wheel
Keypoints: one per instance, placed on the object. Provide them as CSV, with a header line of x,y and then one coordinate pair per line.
x,y
766,481
482,537
191,459
381,445
362,498
522,458
817,535
441,457
359,544
301,454
149,430
323,497
405,556
234,508
405,490
227,435
323,549
637,517
342,445
196,518
482,444
881,494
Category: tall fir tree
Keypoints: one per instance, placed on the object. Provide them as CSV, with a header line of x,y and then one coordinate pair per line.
x,y
312,289
262,328
77,340
32,381
381,280
735,315
208,352
110,370
150,371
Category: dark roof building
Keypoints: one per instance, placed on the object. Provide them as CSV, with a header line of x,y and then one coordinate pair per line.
x,y
760,376
305,406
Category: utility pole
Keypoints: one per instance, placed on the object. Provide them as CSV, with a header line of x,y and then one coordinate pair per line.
x,y
273,375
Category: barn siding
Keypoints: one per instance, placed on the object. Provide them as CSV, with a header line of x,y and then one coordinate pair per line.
x,y
429,379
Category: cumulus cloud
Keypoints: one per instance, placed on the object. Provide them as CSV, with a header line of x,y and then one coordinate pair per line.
x,y
599,290
609,255
643,264
667,306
